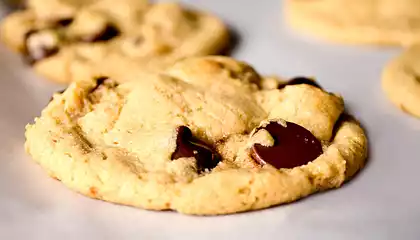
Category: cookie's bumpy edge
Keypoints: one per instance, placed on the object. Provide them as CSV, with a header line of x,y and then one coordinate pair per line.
x,y
222,192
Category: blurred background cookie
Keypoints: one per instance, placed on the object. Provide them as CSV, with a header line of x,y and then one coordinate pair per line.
x,y
74,40
401,81
377,22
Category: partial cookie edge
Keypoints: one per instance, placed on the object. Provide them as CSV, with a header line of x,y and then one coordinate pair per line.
x,y
402,94
302,22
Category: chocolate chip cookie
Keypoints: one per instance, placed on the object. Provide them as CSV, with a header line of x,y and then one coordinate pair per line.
x,y
71,40
401,81
206,136
378,22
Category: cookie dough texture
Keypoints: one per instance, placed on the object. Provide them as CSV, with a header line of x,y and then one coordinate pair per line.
x,y
114,142
107,37
378,22
401,81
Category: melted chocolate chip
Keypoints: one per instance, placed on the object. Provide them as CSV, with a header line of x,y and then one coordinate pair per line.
x,y
298,81
99,82
64,22
31,56
188,146
108,33
293,146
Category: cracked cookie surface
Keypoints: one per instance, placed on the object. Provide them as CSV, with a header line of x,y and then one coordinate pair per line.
x,y
379,22
73,40
401,81
206,136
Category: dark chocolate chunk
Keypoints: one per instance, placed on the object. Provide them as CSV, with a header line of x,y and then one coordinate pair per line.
x,y
64,22
298,81
99,82
31,54
188,146
109,32
293,146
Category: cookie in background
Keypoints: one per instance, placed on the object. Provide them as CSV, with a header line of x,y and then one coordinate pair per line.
x,y
401,81
372,22
68,41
